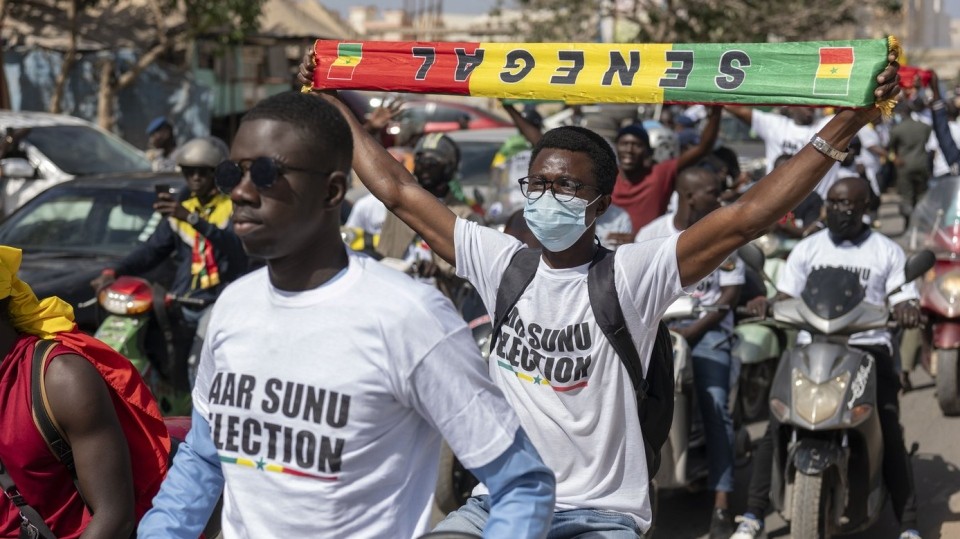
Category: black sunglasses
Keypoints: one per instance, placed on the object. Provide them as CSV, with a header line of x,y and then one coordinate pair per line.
x,y
264,172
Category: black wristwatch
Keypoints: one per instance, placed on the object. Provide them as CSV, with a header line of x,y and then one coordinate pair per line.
x,y
193,218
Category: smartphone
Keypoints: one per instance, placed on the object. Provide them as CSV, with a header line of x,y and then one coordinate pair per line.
x,y
163,188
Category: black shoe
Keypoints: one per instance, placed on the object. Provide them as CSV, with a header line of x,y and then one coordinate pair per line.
x,y
721,524
905,384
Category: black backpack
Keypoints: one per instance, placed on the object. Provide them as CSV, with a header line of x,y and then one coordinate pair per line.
x,y
654,391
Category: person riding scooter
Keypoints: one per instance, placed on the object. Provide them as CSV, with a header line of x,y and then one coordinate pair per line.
x,y
709,336
198,229
436,161
850,244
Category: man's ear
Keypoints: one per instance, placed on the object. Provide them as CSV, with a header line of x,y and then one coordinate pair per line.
x,y
603,204
336,188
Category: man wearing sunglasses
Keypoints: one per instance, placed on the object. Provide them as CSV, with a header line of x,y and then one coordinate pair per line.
x,y
327,379
196,229
555,366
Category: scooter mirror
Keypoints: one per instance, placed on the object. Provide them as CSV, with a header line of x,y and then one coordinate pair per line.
x,y
752,256
918,263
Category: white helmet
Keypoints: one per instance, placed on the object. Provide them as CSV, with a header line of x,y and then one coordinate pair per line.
x,y
202,152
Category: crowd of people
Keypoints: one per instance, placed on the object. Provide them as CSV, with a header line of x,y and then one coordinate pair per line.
x,y
326,380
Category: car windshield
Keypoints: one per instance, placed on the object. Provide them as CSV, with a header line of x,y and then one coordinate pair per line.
x,y
476,158
80,150
935,222
82,220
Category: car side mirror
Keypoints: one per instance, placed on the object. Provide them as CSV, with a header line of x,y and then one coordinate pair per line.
x,y
17,167
917,264
752,256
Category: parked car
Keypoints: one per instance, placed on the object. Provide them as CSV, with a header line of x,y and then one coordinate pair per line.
x,y
55,149
72,231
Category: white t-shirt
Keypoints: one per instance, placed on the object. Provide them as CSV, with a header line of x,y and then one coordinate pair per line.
x,y
368,213
613,221
878,261
708,291
325,405
781,135
561,375
870,161
940,166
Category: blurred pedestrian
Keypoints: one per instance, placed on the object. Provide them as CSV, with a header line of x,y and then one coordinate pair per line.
x,y
163,144
908,141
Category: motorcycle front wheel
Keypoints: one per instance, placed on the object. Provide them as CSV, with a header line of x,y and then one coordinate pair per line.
x,y
810,511
948,381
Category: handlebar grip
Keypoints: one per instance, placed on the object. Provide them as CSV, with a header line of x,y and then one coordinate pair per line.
x,y
192,301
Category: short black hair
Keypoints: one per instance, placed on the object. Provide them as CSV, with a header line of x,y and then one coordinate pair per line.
x,y
729,158
317,119
579,139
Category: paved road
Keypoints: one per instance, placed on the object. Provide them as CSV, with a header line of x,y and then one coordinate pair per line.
x,y
936,466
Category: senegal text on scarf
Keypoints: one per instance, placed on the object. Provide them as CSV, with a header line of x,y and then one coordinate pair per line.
x,y
838,73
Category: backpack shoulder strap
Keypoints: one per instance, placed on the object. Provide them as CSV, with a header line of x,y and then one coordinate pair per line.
x,y
29,515
605,303
516,278
43,417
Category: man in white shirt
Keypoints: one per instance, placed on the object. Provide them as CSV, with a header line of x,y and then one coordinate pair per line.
x,y
326,379
367,214
878,262
940,165
573,395
708,336
786,135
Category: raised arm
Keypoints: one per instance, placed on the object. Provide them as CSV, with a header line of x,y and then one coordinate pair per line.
x,y
947,145
399,191
744,114
81,405
529,131
703,246
707,139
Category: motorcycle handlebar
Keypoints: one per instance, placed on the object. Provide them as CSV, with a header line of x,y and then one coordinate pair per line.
x,y
191,301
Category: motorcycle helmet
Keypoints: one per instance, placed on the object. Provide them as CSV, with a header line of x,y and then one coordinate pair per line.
x,y
443,148
664,144
202,152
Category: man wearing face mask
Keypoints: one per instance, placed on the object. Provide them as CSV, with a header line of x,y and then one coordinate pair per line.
x,y
849,243
708,336
435,162
553,362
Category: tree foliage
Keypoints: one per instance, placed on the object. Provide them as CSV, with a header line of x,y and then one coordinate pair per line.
x,y
672,21
153,28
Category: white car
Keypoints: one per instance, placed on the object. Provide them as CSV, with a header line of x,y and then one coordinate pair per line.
x,y
58,148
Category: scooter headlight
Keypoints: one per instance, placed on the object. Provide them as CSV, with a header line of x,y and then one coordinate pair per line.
x,y
816,403
127,296
949,285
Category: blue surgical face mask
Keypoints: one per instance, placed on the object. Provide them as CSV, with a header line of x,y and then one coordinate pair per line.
x,y
557,225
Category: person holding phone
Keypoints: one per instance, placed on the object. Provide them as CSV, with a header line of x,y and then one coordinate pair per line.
x,y
197,229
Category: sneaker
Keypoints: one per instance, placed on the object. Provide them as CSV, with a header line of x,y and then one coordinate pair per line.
x,y
910,534
721,524
749,527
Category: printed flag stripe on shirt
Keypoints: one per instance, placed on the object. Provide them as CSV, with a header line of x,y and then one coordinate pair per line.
x,y
271,467
837,73
537,380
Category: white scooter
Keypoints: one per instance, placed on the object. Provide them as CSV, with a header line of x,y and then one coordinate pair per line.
x,y
683,458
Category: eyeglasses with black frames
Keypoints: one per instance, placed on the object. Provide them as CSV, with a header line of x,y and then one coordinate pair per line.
x,y
563,189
